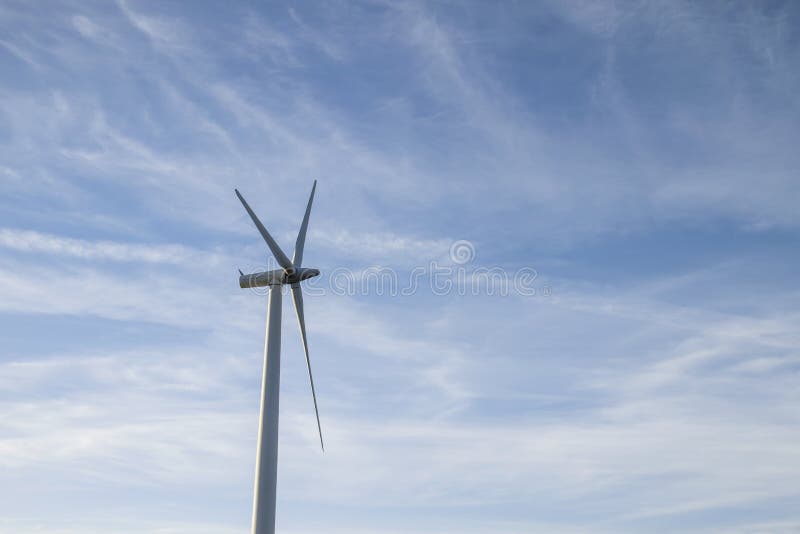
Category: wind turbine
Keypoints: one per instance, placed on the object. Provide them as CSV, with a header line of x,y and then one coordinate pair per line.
x,y
292,273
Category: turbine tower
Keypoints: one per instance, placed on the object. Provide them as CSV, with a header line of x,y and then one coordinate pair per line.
x,y
292,273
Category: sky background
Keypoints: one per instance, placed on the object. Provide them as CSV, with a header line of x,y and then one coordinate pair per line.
x,y
640,156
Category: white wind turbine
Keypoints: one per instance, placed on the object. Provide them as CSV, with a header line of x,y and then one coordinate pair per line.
x,y
292,273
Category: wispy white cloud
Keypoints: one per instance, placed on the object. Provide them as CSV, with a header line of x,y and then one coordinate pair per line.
x,y
77,290
170,36
381,248
20,54
31,241
318,38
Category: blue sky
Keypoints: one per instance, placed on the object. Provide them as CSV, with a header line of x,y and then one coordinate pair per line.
x,y
640,156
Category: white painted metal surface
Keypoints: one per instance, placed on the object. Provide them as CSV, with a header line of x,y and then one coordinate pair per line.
x,y
266,482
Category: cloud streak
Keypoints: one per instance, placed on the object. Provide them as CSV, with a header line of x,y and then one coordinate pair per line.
x,y
31,241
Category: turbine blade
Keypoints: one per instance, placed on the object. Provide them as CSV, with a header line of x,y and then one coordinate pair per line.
x,y
283,261
297,259
297,296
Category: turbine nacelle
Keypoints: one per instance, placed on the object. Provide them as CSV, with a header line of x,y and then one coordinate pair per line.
x,y
276,277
